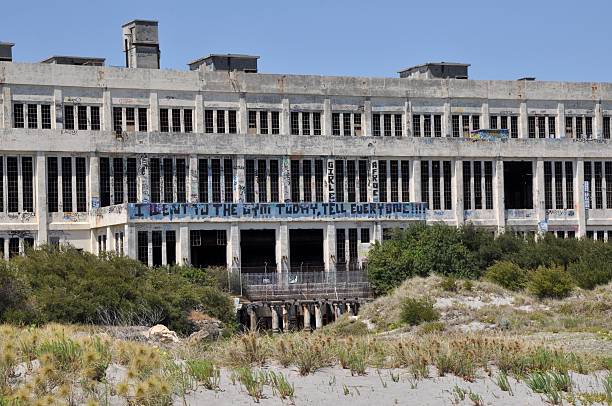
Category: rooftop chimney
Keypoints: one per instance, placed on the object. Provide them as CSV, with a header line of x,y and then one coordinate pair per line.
x,y
6,52
226,62
436,70
141,44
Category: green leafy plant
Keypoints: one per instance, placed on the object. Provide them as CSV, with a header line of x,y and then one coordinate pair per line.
x,y
205,372
417,311
507,274
550,283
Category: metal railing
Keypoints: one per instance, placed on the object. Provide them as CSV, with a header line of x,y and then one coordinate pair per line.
x,y
300,285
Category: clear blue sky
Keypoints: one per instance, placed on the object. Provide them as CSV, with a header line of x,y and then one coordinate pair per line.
x,y
551,40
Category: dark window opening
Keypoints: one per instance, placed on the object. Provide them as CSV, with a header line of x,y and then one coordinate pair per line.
x,y
258,250
156,244
208,248
518,185
171,247
306,249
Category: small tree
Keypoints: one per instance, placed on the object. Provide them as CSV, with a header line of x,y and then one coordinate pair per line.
x,y
550,283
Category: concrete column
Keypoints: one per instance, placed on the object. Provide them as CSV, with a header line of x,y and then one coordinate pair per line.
x,y
243,120
329,192
285,121
485,116
285,312
415,181
318,316
327,117
579,202
153,112
406,119
335,310
193,190
184,253
7,109
252,318
457,191
41,197
130,241
198,126
373,187
561,120
107,111
94,181
239,179
274,312
285,180
306,311
58,109
598,130
539,203
498,196
282,247
367,110
523,131
234,246
330,247
447,125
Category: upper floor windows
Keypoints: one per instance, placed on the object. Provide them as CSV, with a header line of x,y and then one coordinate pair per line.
x,y
220,121
263,122
176,120
78,117
31,115
130,119
463,124
17,181
387,124
427,125
346,123
541,126
305,123
505,122
579,127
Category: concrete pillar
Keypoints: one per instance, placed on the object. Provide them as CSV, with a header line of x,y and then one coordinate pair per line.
x,y
252,318
367,110
41,197
198,126
144,186
282,248
243,120
58,109
539,203
335,310
406,119
498,196
329,193
374,190
327,117
598,130
153,112
193,186
94,181
7,109
318,316
285,179
330,247
107,111
234,246
274,312
285,121
447,126
239,179
457,191
561,120
415,181
130,241
184,253
485,116
306,312
579,202
285,312
523,131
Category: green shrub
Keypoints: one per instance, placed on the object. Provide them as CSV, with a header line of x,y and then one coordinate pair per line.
x,y
431,327
593,268
550,283
448,284
417,311
507,274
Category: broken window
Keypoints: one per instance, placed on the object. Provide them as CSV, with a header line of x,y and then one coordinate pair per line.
x,y
188,120
405,170
435,179
142,119
155,173
168,168
52,185
295,123
232,125
170,247
45,117
263,122
488,177
588,126
209,126
32,116
318,180
81,184
262,184
598,184
352,245
467,189
105,182
425,182
569,185
274,184
427,126
569,127
203,180
363,180
514,126
228,172
437,125
252,122
69,117
394,175
382,180
398,124
531,126
608,176
131,180
376,124
548,185
82,117
365,235
351,177
220,121
518,184
346,124
18,117
67,184
446,169
477,185
387,123
558,185
12,181
118,120
216,180
176,120
416,125
307,179
181,175
275,118
339,180
316,122
143,247
156,247
250,180
588,185
340,248
295,180
455,125
117,180
606,127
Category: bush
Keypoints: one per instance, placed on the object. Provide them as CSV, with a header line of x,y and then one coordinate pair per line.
x,y
550,283
507,274
593,268
448,284
417,311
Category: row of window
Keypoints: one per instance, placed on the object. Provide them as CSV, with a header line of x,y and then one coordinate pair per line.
x,y
66,177
157,240
598,184
349,238
477,183
13,246
436,184
16,184
559,185
181,120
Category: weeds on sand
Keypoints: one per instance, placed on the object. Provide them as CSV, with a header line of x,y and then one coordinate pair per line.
x,y
205,372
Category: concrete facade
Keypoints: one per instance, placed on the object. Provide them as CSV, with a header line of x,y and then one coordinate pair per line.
x,y
181,166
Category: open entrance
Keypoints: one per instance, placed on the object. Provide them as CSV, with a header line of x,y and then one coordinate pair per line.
x,y
306,249
257,250
208,248
518,184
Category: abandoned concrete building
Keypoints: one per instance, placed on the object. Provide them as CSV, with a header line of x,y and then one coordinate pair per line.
x,y
222,165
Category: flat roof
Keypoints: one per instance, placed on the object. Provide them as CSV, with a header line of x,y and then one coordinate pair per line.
x,y
242,56
73,58
140,21
434,63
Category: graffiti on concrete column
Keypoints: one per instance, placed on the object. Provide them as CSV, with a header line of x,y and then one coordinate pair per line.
x,y
375,180
319,210
331,181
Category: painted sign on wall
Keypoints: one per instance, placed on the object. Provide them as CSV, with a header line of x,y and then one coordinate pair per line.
x,y
195,211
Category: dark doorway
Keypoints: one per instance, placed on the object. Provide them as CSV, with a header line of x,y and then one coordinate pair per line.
x,y
518,184
257,250
306,249
208,248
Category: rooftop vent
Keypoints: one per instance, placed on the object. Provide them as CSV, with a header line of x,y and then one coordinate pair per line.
x,y
6,52
74,60
527,79
436,70
141,44
226,62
